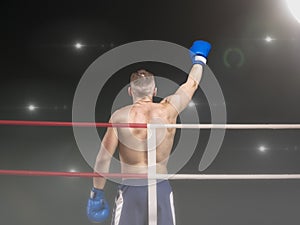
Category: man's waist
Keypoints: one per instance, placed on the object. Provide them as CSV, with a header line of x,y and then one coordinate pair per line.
x,y
143,169
141,182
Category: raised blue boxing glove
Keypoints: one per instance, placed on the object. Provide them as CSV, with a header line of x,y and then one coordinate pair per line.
x,y
199,52
97,207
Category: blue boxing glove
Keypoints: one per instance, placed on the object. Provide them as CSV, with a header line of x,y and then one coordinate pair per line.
x,y
97,207
199,52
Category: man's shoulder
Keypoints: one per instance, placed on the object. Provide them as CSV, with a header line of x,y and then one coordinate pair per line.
x,y
123,109
118,115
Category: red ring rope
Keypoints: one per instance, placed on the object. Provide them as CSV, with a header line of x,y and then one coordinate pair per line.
x,y
70,124
70,174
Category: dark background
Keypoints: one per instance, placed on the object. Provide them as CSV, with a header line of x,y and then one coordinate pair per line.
x,y
40,65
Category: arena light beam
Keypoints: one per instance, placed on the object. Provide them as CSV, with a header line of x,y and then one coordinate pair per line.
x,y
294,6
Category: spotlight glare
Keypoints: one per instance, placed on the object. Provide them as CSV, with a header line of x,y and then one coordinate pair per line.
x,y
294,7
78,45
31,107
192,104
269,39
262,148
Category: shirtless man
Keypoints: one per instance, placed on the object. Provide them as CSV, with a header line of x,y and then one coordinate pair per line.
x,y
131,202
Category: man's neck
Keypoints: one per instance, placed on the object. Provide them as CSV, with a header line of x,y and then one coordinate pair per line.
x,y
142,100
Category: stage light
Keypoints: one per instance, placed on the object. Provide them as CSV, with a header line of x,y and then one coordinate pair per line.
x,y
31,107
192,104
269,39
78,45
294,7
262,148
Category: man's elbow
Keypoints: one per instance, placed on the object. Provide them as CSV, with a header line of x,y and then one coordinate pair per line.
x,y
193,85
103,161
190,90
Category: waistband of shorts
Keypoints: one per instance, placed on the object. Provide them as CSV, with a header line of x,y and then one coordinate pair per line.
x,y
140,182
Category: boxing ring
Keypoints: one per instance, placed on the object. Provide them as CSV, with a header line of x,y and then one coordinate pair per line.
x,y
152,175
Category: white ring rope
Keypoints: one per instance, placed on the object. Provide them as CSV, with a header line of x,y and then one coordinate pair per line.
x,y
227,126
227,176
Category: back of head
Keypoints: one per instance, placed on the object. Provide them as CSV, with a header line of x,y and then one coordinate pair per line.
x,y
142,84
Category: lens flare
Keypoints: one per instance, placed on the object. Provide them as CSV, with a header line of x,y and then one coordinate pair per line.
x,y
294,6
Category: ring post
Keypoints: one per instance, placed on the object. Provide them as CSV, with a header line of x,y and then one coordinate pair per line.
x,y
152,194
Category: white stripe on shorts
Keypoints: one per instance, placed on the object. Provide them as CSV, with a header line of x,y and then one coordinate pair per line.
x,y
172,208
118,209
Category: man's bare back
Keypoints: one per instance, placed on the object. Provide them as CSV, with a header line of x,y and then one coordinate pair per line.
x,y
133,141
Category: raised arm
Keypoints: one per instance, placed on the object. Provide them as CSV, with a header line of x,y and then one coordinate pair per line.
x,y
181,98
